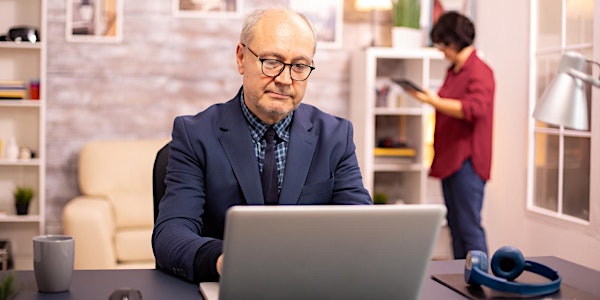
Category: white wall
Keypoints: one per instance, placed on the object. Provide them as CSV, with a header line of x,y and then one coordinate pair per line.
x,y
163,78
503,35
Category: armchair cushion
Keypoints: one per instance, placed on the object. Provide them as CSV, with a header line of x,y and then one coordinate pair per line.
x,y
109,166
131,209
128,241
90,220
112,220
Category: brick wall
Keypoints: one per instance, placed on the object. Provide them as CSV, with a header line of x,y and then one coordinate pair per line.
x,y
165,66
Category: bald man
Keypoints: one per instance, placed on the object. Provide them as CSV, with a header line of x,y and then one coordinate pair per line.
x,y
217,156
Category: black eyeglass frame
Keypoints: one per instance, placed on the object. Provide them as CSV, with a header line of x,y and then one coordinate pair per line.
x,y
262,60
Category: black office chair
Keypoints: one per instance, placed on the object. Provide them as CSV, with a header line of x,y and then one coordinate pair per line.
x,y
158,176
158,180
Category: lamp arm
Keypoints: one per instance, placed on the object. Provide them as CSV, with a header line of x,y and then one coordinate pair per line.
x,y
585,77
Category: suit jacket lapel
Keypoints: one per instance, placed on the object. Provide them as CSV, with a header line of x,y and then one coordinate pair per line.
x,y
300,152
237,144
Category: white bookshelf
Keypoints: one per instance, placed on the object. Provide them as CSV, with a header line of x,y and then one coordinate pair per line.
x,y
23,119
399,118
402,179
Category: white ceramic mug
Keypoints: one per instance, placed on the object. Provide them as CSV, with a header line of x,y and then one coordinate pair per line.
x,y
53,257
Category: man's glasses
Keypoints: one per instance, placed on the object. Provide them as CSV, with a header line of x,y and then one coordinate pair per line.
x,y
273,67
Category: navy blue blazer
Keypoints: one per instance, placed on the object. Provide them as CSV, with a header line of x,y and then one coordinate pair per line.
x,y
212,166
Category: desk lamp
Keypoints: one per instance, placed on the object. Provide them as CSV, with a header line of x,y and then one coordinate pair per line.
x,y
563,101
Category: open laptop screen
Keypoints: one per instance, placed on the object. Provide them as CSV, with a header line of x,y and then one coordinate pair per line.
x,y
328,252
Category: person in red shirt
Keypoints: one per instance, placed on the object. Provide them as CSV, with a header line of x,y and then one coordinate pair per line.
x,y
462,144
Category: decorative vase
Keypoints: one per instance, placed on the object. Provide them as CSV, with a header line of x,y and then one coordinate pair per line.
x,y
406,37
22,208
12,149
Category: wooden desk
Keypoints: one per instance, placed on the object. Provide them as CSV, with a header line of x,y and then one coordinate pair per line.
x,y
574,275
154,284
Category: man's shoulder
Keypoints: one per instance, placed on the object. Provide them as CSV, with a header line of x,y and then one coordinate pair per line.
x,y
211,113
312,113
321,123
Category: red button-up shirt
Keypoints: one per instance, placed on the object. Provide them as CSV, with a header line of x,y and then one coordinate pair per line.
x,y
456,140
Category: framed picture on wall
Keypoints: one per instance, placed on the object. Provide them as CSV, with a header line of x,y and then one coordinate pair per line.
x,y
207,8
431,10
327,18
94,20
465,7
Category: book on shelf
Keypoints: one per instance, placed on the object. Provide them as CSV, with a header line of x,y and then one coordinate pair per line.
x,y
392,161
395,152
12,89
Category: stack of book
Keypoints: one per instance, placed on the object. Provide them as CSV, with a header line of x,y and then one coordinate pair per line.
x,y
395,155
395,152
12,89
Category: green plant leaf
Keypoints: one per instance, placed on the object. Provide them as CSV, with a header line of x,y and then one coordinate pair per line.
x,y
23,194
407,13
7,286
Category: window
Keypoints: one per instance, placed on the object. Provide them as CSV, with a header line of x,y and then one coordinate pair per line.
x,y
559,158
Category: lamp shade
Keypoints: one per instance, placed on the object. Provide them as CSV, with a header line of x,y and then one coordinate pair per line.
x,y
369,5
564,101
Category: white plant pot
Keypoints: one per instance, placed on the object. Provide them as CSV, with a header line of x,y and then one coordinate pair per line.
x,y
405,37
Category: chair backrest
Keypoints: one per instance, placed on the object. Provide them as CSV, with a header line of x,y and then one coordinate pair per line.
x,y
158,176
119,170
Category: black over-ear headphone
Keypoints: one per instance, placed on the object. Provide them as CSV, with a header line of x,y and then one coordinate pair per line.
x,y
507,264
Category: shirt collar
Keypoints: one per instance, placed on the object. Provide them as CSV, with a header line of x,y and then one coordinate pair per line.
x,y
258,127
467,64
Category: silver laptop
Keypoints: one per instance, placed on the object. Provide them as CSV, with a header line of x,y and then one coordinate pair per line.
x,y
326,252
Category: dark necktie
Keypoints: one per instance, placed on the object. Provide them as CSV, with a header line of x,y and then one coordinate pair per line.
x,y
269,173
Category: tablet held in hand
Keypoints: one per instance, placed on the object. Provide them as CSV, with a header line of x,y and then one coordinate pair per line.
x,y
408,85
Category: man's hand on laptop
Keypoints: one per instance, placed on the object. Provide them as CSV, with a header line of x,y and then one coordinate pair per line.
x,y
220,264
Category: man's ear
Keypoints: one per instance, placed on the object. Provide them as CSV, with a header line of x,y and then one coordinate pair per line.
x,y
239,58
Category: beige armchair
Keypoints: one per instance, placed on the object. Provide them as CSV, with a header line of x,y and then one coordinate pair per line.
x,y
112,220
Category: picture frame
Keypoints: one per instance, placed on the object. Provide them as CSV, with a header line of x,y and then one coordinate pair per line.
x,y
94,21
327,18
207,8
436,8
465,7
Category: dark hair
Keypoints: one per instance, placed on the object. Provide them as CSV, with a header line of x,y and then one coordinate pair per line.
x,y
453,28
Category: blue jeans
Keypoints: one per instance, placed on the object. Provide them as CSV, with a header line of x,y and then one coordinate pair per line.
x,y
463,194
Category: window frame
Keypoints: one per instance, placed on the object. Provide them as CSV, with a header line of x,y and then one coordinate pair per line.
x,y
560,132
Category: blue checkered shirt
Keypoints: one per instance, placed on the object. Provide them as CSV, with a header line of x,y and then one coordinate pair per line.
x,y
257,131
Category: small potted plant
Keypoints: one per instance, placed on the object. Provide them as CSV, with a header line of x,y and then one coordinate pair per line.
x,y
23,196
406,16
7,286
